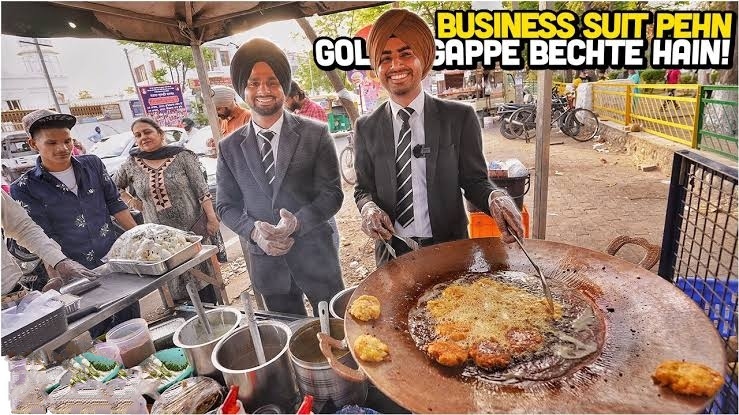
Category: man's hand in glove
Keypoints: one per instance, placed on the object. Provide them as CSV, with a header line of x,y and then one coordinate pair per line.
x,y
287,226
66,272
375,222
506,215
271,246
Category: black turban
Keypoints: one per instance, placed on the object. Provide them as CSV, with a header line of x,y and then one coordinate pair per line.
x,y
259,50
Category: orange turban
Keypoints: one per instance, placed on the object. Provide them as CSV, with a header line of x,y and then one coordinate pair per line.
x,y
406,26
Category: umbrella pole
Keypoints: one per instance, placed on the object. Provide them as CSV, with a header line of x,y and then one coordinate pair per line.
x,y
210,109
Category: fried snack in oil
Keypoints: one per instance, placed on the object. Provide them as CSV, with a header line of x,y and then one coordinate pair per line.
x,y
490,355
447,353
370,348
688,378
453,331
521,341
365,308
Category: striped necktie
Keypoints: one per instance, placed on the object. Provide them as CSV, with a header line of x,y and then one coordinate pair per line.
x,y
268,157
404,205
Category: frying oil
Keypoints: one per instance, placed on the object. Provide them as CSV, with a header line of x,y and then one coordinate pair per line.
x,y
570,342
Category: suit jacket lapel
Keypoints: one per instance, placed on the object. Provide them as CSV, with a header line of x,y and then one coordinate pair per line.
x,y
431,128
289,139
386,148
254,160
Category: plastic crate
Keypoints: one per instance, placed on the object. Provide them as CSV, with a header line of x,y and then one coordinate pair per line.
x,y
717,299
483,226
37,333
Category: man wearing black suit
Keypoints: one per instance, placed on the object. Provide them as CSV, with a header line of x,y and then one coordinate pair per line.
x,y
278,185
415,154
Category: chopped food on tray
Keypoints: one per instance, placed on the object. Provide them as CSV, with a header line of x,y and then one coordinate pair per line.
x,y
688,378
370,348
149,243
365,308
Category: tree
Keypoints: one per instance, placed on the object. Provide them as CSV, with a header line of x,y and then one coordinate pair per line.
x,y
160,76
178,59
84,94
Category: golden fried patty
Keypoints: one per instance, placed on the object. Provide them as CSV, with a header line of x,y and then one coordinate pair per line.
x,y
370,348
365,308
490,355
447,353
688,378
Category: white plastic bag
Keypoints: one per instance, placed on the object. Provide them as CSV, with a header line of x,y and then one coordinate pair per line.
x,y
516,168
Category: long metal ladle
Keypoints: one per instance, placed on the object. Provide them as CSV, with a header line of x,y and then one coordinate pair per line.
x,y
251,320
544,284
192,290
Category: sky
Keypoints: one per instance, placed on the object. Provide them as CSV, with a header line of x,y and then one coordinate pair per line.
x,y
99,65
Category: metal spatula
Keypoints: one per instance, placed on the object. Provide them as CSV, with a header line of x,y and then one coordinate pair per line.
x,y
544,284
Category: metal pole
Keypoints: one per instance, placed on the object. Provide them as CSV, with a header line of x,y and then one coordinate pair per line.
x,y
46,74
543,130
210,108
133,78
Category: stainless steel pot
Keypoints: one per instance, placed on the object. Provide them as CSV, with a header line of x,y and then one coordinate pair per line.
x,y
340,302
195,343
314,374
259,385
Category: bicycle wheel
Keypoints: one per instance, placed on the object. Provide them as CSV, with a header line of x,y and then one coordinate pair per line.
x,y
523,122
581,124
346,165
505,129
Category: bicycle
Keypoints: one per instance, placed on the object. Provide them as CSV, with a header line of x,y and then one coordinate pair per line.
x,y
579,123
346,161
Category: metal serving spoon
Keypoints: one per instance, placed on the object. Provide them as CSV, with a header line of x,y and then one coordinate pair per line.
x,y
544,284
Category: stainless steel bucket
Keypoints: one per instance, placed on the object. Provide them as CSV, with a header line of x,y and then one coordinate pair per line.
x,y
340,302
197,347
271,383
315,376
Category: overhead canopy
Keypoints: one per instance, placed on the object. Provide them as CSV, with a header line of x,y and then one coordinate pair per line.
x,y
174,22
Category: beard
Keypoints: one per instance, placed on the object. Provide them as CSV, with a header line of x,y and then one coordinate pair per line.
x,y
270,110
226,113
294,106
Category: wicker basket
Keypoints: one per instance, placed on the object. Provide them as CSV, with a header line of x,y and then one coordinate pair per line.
x,y
36,334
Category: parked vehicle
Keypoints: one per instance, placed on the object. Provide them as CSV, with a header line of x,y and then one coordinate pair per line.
x,y
17,155
113,149
198,143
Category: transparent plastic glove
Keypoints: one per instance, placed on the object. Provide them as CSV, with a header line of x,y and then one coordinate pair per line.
x,y
506,215
375,222
70,270
287,226
270,246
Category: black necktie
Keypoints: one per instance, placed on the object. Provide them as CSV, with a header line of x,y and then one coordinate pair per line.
x,y
268,157
404,205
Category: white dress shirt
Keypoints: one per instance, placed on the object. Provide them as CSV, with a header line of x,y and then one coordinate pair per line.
x,y
275,128
421,226
19,226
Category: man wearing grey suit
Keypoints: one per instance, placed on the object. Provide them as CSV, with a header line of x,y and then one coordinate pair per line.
x,y
278,185
415,154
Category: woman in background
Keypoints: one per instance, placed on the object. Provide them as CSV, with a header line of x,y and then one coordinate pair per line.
x,y
170,190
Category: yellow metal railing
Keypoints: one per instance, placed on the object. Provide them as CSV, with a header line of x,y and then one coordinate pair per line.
x,y
653,106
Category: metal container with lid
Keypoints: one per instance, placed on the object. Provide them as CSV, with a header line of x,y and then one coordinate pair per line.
x,y
198,346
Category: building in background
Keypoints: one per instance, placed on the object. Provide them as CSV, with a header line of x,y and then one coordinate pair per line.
x,y
23,82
